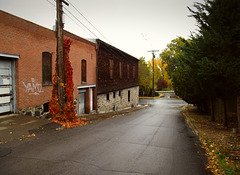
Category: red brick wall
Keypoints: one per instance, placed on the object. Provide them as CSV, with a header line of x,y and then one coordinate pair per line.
x,y
29,40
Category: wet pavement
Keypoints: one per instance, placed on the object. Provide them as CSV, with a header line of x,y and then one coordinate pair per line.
x,y
153,140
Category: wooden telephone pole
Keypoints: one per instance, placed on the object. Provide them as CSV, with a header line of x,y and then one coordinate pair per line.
x,y
60,54
153,92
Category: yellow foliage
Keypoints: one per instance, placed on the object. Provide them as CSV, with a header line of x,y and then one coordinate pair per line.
x,y
160,70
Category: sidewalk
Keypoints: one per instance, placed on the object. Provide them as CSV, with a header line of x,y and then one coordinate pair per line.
x,y
18,127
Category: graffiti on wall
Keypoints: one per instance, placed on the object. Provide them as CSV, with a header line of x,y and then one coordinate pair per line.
x,y
33,88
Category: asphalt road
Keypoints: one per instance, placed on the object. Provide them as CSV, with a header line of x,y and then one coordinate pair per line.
x,y
154,140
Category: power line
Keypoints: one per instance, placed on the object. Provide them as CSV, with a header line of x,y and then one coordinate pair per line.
x,y
80,22
51,3
76,19
88,21
71,19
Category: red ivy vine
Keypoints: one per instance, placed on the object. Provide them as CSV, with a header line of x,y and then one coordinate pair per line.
x,y
64,115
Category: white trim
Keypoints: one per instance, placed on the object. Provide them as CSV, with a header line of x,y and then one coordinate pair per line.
x,y
86,86
9,55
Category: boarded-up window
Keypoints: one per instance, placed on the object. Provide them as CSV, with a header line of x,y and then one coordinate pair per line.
x,y
111,68
46,68
84,71
134,73
120,69
128,71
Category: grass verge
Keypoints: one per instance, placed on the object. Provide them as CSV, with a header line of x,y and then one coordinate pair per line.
x,y
221,144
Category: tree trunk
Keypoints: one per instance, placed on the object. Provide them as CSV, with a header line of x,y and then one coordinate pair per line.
x,y
212,109
238,112
225,122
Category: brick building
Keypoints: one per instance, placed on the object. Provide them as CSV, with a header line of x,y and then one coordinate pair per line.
x,y
117,78
27,65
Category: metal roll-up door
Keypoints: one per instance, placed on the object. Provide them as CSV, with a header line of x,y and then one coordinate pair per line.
x,y
6,92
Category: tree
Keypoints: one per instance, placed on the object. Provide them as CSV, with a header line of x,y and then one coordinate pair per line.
x,y
208,66
170,55
164,74
218,48
161,84
160,70
144,77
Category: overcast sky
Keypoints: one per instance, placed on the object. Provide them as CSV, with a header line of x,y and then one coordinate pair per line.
x,y
134,26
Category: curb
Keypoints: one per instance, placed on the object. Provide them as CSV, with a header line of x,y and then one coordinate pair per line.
x,y
190,124
161,95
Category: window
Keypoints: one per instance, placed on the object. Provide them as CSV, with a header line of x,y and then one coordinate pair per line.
x,y
129,96
134,73
111,68
46,68
119,94
120,69
128,71
107,96
114,94
84,71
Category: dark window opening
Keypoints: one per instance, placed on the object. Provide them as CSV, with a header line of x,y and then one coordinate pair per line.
x,y
107,96
84,71
129,96
119,93
46,68
45,107
114,94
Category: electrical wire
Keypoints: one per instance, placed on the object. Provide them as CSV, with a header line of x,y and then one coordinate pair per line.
x,y
110,50
88,21
89,31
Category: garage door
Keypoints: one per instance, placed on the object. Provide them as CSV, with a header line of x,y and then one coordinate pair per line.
x,y
6,87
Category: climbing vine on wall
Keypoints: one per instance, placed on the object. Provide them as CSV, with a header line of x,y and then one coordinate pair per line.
x,y
64,115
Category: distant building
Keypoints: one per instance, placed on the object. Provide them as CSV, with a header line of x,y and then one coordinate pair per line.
x,y
27,65
117,78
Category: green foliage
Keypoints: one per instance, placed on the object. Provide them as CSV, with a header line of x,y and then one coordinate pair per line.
x,y
145,79
209,64
171,53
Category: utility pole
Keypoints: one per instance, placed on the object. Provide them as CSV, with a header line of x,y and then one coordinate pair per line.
x,y
153,92
60,54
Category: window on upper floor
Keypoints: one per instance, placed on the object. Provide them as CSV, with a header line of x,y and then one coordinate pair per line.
x,y
128,74
134,72
111,68
46,68
84,71
120,70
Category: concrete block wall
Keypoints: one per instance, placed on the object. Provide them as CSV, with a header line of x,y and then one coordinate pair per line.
x,y
119,102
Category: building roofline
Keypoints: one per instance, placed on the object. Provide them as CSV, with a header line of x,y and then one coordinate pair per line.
x,y
120,52
66,33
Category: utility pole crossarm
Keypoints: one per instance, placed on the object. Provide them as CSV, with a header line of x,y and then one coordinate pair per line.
x,y
66,3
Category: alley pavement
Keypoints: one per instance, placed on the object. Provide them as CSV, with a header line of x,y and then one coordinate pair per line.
x,y
15,127
154,140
